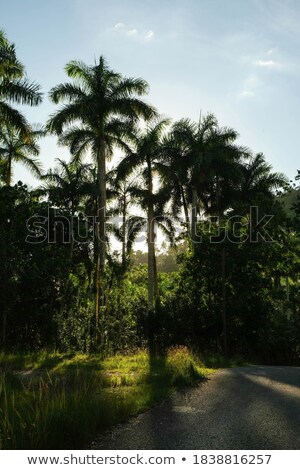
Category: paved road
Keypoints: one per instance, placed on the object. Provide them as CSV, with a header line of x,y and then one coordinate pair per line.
x,y
243,408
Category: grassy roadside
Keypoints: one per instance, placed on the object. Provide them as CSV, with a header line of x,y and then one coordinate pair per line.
x,y
61,401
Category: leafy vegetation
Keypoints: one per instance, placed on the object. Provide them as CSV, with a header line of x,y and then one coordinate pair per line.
x,y
224,282
63,401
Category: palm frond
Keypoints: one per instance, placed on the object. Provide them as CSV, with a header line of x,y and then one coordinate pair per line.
x,y
21,91
66,92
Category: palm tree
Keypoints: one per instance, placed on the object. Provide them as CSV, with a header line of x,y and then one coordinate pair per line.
x,y
202,159
258,178
196,139
99,110
9,63
145,157
122,192
174,175
14,87
199,157
66,186
15,147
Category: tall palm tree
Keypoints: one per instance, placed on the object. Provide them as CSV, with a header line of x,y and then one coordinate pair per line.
x,y
199,156
145,157
202,159
15,87
15,147
99,110
196,140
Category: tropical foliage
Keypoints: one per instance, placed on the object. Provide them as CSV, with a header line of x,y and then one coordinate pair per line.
x,y
221,266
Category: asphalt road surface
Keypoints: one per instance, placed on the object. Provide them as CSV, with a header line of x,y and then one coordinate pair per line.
x,y
247,408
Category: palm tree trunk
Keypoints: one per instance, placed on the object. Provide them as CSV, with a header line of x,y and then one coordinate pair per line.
x,y
194,216
151,259
102,205
97,283
124,232
152,279
100,233
185,210
152,274
72,232
9,171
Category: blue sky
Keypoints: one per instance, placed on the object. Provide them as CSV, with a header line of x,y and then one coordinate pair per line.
x,y
237,58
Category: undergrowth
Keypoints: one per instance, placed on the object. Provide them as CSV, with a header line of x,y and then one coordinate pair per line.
x,y
62,401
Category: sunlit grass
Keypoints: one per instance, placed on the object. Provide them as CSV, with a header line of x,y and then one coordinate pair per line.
x,y
61,401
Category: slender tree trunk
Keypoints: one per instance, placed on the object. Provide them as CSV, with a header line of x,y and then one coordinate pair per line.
x,y
67,282
152,274
185,210
9,171
102,205
100,233
72,233
151,264
194,216
96,268
151,260
124,232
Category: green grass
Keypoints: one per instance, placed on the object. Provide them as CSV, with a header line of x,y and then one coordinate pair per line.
x,y
217,361
62,401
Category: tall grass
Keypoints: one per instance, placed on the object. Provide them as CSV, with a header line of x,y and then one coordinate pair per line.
x,y
65,405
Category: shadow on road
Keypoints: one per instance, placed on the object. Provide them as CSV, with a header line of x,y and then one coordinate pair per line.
x,y
244,408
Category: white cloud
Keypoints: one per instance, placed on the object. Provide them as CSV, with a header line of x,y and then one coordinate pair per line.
x,y
266,63
119,26
247,93
149,34
131,32
270,51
